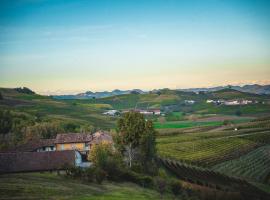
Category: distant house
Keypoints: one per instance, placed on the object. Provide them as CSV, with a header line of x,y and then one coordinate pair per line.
x,y
111,112
232,102
145,112
38,161
210,101
190,102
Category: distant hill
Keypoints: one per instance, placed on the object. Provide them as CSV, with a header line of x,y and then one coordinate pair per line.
x,y
97,95
255,89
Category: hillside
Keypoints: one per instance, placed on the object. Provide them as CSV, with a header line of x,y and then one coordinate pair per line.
x,y
50,186
89,111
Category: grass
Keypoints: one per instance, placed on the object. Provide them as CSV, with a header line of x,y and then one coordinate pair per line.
x,y
51,186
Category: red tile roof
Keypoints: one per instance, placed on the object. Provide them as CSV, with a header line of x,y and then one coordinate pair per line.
x,y
73,138
33,145
35,161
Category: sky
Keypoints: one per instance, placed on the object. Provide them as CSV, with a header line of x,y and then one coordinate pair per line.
x,y
67,47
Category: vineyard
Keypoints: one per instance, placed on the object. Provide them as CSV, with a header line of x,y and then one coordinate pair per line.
x,y
211,148
254,166
213,179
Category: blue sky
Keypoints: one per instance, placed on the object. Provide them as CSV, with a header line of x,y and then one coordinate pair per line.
x,y
72,46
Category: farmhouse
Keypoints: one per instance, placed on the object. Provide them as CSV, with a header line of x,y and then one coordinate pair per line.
x,y
81,142
52,154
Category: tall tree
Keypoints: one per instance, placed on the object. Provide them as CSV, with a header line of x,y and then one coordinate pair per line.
x,y
135,135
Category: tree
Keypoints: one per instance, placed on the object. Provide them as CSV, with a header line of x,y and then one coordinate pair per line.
x,y
5,121
148,148
1,96
44,130
136,138
176,187
100,154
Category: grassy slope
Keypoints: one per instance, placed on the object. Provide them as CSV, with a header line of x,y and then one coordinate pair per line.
x,y
50,186
90,111
56,110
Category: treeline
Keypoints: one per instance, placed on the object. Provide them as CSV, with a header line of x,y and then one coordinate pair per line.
x,y
20,127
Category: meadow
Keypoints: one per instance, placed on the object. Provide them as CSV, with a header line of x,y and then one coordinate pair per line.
x,y
52,186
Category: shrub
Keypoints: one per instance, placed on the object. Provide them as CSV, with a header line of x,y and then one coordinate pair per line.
x,y
106,158
100,175
161,185
89,174
176,187
143,180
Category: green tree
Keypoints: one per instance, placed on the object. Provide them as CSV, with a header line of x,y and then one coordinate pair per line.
x,y
135,136
148,148
1,96
100,153
5,121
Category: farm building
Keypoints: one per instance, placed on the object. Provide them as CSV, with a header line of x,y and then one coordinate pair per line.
x,y
38,161
35,145
81,142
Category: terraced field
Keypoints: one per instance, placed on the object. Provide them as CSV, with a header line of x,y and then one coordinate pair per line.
x,y
254,166
208,149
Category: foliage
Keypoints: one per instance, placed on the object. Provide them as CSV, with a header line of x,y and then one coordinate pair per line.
x,y
161,185
100,153
136,138
105,157
100,175
176,187
1,96
43,130
89,174
5,121
71,127
140,179
24,90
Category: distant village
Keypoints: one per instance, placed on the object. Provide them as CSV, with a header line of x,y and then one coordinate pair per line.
x,y
158,112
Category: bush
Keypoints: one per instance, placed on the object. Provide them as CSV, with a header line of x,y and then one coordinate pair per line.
x,y
89,174
161,185
143,180
176,187
100,175
75,172
114,168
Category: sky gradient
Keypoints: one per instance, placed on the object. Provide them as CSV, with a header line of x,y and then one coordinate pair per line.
x,y
65,46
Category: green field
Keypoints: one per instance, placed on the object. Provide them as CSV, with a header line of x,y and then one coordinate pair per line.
x,y
210,148
254,166
185,124
51,186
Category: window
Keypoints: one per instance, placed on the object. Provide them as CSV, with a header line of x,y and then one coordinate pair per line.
x,y
62,147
